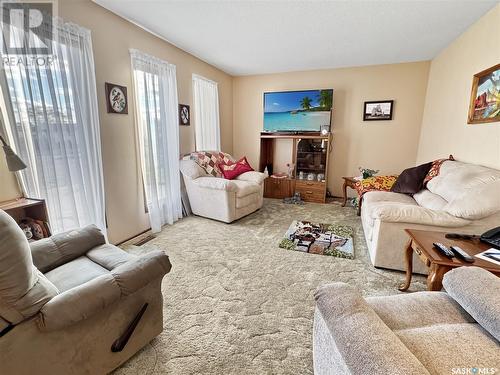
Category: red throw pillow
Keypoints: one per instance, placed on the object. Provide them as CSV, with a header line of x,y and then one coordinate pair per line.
x,y
232,170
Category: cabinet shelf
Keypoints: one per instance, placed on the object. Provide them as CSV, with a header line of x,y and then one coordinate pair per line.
x,y
308,152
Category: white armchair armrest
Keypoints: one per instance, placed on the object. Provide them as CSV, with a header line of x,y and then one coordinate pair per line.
x,y
407,213
253,176
215,183
191,169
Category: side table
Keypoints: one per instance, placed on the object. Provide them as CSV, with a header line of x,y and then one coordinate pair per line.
x,y
350,182
438,264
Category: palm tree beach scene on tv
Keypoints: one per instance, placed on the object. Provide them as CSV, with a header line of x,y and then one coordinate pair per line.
x,y
297,110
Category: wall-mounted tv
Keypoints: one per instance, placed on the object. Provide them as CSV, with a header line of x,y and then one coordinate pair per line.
x,y
297,111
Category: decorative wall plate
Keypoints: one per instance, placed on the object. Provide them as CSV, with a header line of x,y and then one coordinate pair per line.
x,y
184,115
116,98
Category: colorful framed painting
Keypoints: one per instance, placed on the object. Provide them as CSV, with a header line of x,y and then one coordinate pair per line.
x,y
380,110
485,97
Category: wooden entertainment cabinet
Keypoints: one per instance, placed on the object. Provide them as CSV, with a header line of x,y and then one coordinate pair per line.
x,y
310,153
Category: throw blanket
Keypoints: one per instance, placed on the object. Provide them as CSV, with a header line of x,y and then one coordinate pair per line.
x,y
378,183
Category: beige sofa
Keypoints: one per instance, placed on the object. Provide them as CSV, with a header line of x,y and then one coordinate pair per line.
x,y
463,198
65,301
420,333
221,199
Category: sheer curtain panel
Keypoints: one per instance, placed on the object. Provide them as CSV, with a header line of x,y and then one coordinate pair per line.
x,y
54,128
156,103
206,114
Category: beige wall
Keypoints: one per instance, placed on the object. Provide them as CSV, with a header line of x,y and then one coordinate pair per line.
x,y
386,145
444,127
112,37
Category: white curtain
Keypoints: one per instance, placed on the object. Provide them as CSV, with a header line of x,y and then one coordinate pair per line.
x,y
155,90
206,118
54,128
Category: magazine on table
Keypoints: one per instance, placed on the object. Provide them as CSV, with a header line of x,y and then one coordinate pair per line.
x,y
491,255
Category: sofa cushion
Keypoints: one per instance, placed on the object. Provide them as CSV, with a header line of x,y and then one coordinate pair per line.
x,y
245,188
412,213
253,176
23,290
366,344
75,273
399,311
387,196
466,285
411,180
429,200
215,183
476,202
455,177
51,252
443,347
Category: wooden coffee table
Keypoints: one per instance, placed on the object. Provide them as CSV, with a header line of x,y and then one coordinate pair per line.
x,y
421,243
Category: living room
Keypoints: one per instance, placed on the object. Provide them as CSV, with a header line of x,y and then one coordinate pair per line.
x,y
190,267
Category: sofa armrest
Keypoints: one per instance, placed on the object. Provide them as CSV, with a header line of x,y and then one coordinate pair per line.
x,y
215,183
79,303
61,248
253,176
138,272
466,285
407,213
190,169
90,298
365,343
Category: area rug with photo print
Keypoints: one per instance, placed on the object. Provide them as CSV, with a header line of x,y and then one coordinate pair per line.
x,y
323,239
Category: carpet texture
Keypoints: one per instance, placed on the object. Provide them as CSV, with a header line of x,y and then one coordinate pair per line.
x,y
235,303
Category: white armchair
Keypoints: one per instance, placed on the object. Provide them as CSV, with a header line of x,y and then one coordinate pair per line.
x,y
221,199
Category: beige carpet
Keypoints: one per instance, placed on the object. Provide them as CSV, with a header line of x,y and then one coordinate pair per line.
x,y
235,303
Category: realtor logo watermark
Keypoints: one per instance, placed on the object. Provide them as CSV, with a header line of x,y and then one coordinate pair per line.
x,y
27,32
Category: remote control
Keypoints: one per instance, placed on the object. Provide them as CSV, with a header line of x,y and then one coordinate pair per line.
x,y
443,249
460,253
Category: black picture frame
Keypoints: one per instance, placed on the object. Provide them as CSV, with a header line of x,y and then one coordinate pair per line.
x,y
183,109
370,115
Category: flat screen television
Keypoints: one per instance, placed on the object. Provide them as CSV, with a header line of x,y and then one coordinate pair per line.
x,y
297,111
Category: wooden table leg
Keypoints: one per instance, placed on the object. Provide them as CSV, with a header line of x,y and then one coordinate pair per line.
x,y
345,193
409,267
435,278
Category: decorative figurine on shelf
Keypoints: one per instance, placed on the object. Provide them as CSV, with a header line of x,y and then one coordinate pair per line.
x,y
291,168
366,172
27,231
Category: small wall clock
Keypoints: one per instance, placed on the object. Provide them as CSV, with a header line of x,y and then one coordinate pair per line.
x,y
184,115
116,98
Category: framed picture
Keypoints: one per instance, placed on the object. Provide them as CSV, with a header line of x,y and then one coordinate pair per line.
x,y
380,110
485,96
116,98
184,115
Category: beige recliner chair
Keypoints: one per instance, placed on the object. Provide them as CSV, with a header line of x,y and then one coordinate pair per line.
x,y
72,304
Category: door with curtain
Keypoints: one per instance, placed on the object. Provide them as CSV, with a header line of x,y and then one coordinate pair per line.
x,y
156,103
54,128
206,114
